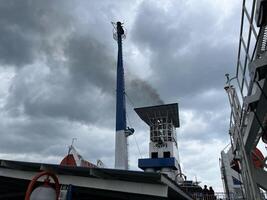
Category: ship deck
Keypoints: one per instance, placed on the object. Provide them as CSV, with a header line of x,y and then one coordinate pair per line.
x,y
88,183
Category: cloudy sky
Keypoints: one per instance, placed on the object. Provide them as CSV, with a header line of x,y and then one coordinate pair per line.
x,y
57,70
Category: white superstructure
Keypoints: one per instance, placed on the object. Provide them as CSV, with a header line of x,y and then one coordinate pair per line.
x,y
163,147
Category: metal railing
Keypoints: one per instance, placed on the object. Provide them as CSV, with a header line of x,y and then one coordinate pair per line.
x,y
223,196
216,196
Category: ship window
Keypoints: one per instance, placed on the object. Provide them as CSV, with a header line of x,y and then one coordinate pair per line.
x,y
154,155
166,154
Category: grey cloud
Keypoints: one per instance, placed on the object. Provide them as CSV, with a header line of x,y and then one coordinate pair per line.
x,y
28,136
25,27
207,100
88,66
183,44
45,95
89,60
204,126
45,136
67,82
15,48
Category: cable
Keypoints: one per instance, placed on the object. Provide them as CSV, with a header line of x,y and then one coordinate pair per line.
x,y
130,101
137,146
128,119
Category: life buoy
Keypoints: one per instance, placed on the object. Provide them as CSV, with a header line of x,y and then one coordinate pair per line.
x,y
257,158
43,190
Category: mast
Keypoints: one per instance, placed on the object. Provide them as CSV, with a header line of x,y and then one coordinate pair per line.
x,y
122,131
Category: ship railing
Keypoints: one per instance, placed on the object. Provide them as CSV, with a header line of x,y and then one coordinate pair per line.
x,y
217,196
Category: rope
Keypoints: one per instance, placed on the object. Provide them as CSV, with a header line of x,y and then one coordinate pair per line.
x,y
130,101
128,119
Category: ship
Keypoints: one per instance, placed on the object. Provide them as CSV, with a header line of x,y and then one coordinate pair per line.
x,y
243,161
161,177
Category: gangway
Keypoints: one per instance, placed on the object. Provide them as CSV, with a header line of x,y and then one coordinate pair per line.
x,y
248,101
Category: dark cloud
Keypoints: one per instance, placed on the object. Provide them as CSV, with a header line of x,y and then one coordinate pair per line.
x,y
89,60
23,135
27,29
43,94
77,74
184,42
63,85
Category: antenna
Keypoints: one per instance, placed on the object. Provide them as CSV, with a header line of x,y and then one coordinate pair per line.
x,y
72,142
118,30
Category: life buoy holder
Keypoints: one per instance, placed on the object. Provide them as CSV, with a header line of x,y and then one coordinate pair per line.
x,y
35,179
235,165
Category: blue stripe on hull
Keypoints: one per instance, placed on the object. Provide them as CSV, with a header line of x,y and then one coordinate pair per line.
x,y
158,163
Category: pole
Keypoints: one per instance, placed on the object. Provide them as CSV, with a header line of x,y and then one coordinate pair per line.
x,y
121,155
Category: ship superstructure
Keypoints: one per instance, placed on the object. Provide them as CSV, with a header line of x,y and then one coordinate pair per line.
x,y
248,102
163,146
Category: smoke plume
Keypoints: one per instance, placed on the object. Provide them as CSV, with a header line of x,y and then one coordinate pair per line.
x,y
143,94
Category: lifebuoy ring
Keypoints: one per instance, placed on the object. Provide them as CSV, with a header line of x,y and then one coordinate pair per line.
x,y
35,179
257,158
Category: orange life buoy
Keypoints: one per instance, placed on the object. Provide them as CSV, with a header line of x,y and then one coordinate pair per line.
x,y
257,158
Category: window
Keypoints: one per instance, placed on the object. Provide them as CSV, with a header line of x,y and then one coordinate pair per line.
x,y
154,155
166,154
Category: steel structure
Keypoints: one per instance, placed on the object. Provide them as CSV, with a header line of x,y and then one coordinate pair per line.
x,y
249,101
122,131
231,179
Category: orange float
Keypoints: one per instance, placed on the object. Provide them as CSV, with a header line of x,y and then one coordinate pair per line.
x,y
257,158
